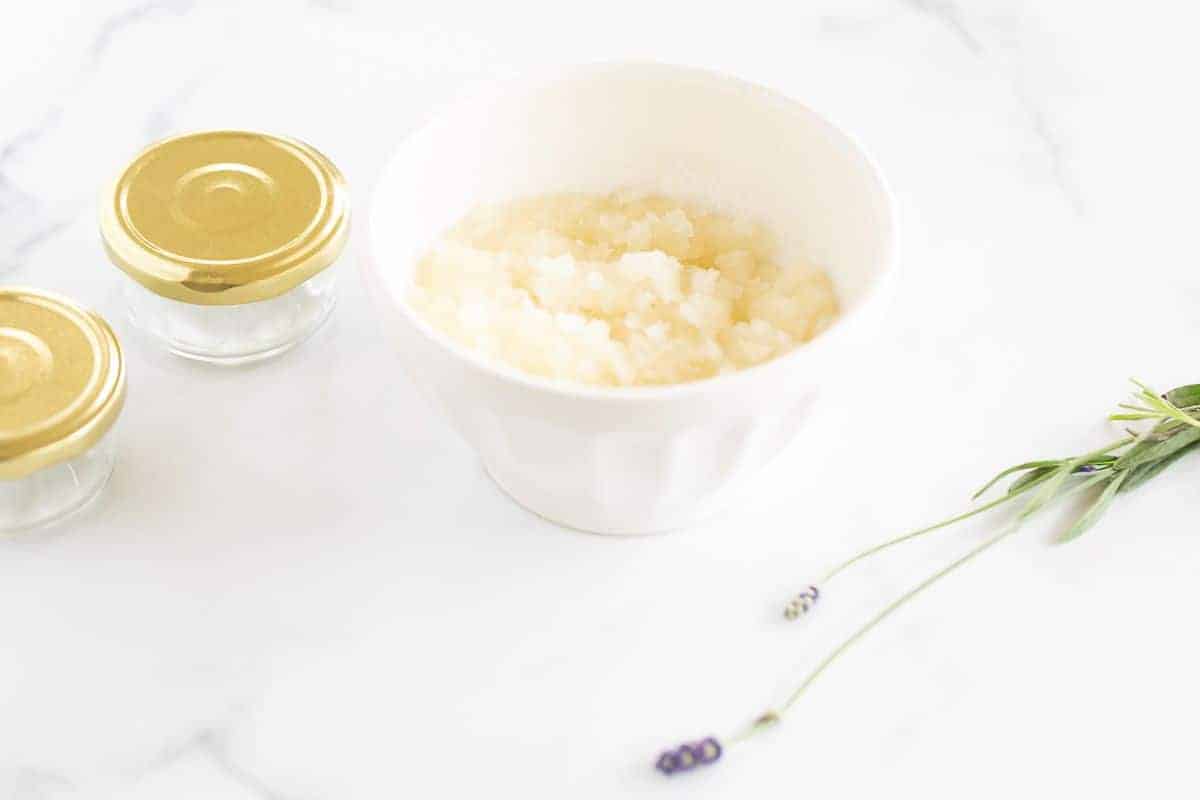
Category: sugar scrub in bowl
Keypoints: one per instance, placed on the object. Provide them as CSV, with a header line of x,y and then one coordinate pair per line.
x,y
620,290
625,284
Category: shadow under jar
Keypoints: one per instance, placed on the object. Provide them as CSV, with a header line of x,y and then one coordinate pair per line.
x,y
230,239
62,387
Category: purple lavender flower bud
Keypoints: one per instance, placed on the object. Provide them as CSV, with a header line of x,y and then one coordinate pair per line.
x,y
689,756
802,603
708,750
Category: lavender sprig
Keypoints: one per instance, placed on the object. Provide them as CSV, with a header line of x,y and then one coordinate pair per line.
x,y
1108,472
1035,474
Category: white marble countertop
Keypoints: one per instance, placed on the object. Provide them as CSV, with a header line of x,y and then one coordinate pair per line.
x,y
301,586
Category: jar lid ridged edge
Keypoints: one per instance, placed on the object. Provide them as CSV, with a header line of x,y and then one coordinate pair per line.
x,y
97,410
261,278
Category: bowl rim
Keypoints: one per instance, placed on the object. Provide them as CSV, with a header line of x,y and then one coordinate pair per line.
x,y
875,293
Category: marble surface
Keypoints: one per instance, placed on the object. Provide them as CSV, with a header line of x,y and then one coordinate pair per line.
x,y
301,586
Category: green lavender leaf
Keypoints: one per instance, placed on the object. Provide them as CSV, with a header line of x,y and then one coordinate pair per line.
x,y
1097,508
1157,406
1031,479
1185,396
1150,450
1028,465
1144,472
1135,412
1053,483
1055,478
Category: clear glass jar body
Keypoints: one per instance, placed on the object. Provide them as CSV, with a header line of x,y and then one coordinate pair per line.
x,y
234,334
56,492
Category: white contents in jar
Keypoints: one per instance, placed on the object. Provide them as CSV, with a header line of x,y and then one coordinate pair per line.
x,y
618,290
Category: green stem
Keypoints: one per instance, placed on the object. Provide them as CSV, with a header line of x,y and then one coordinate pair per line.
x,y
770,718
888,611
773,717
870,551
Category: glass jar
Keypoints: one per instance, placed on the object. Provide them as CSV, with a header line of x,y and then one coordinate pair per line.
x,y
62,387
230,239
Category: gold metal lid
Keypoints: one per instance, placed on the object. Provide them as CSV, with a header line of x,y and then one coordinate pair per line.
x,y
62,380
225,217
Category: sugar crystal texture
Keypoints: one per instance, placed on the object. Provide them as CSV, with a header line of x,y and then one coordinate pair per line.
x,y
621,289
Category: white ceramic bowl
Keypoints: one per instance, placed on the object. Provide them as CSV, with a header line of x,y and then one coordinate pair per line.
x,y
643,459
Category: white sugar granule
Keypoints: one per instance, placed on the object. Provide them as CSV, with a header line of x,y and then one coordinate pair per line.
x,y
618,290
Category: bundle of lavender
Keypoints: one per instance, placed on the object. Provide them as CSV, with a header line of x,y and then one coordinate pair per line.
x,y
1172,432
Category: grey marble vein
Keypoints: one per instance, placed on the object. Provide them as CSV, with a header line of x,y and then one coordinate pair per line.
x,y
34,784
1053,147
18,253
12,148
100,43
115,24
22,223
212,743
950,16
216,745
25,224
